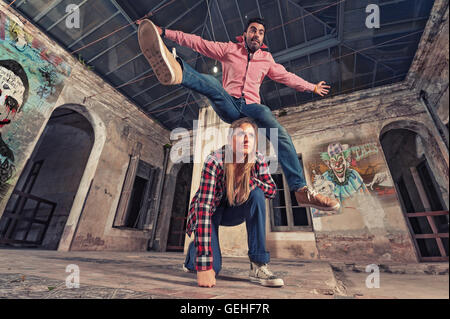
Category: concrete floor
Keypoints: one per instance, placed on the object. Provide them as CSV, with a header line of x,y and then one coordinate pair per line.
x,y
42,274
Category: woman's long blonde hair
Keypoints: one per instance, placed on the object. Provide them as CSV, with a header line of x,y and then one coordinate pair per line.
x,y
238,189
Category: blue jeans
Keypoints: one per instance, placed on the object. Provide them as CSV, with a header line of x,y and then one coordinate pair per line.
x,y
253,212
230,109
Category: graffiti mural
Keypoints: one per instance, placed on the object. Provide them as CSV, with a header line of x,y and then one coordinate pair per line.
x,y
345,171
31,79
13,94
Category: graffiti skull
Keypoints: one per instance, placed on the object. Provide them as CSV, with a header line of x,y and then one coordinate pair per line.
x,y
13,95
13,90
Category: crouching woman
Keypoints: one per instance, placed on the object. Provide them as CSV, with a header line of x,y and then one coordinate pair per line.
x,y
234,183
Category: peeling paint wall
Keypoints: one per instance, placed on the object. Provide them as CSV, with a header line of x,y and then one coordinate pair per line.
x,y
117,124
31,79
429,71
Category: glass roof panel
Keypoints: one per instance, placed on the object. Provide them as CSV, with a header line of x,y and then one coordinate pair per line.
x,y
94,49
92,14
382,55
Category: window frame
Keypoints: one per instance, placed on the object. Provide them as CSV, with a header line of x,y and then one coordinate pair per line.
x,y
152,175
289,212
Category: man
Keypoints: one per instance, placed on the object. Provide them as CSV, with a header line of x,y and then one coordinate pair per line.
x,y
244,66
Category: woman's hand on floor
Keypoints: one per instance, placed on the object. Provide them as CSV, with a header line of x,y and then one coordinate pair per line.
x,y
206,278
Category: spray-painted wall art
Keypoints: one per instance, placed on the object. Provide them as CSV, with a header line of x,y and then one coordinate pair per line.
x,y
348,169
31,79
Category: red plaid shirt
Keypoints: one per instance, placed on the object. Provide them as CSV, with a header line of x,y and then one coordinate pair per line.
x,y
209,195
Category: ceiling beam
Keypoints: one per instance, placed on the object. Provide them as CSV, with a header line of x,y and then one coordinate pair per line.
x,y
340,21
124,39
221,18
370,35
309,13
184,13
305,49
20,3
118,67
112,47
240,14
45,11
282,24
137,76
125,15
166,98
93,30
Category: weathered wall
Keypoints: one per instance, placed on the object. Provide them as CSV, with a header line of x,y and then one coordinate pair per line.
x,y
33,76
429,71
370,225
117,124
64,148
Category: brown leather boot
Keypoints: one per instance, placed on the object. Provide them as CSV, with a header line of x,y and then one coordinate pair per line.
x,y
164,64
306,197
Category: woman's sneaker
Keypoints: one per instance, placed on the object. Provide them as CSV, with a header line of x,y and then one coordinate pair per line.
x,y
164,64
187,270
261,274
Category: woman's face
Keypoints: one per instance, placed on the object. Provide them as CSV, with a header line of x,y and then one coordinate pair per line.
x,y
244,139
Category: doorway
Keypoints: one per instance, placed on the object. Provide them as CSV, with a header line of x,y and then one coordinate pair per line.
x,y
420,196
177,228
39,206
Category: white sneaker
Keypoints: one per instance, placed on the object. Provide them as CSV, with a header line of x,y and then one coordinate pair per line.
x,y
262,275
186,270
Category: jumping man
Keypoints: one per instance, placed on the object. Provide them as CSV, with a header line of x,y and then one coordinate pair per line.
x,y
244,66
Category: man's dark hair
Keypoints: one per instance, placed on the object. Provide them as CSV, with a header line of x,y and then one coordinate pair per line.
x,y
255,20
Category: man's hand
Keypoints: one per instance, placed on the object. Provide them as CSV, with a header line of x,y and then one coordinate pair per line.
x,y
138,22
321,88
206,278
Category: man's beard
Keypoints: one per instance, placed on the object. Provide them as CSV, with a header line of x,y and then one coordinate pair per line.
x,y
252,46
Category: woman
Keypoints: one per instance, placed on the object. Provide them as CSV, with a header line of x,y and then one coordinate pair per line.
x,y
234,183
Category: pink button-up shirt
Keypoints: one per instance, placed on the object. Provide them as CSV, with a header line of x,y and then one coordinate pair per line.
x,y
241,77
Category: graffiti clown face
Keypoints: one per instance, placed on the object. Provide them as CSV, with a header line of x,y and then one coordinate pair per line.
x,y
339,165
13,90
337,159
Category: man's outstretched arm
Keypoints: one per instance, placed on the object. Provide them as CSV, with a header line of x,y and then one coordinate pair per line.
x,y
278,73
211,49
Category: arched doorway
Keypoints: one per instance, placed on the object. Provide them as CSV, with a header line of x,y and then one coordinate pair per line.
x,y
39,207
421,197
177,228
